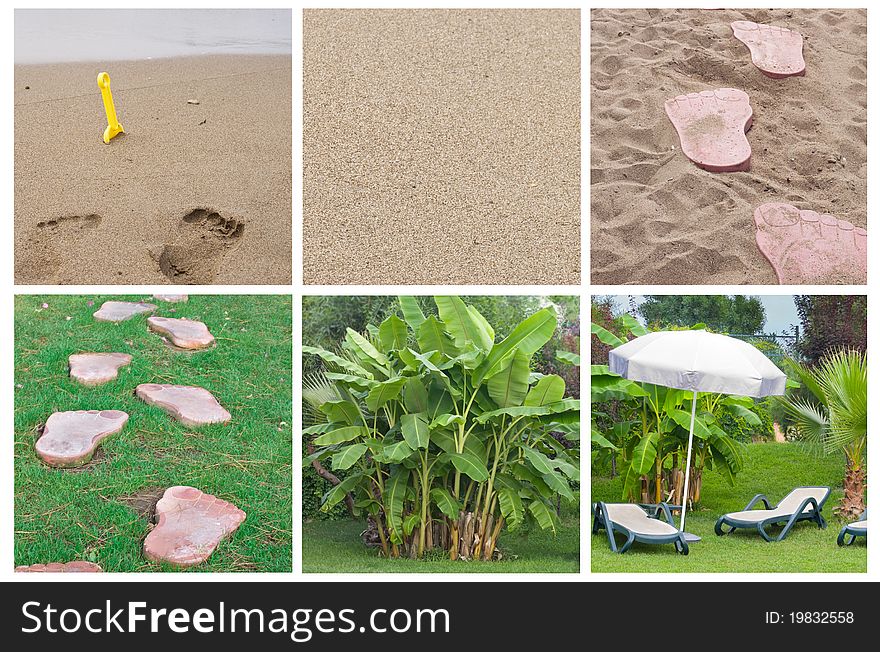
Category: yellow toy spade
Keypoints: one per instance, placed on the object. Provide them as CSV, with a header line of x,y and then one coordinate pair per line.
x,y
113,126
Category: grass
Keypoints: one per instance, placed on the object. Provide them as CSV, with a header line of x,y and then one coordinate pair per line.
x,y
336,547
772,469
101,512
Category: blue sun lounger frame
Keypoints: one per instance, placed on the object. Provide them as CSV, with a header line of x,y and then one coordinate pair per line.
x,y
852,532
602,521
796,516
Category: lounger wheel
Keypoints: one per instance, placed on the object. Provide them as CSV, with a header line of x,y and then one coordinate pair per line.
x,y
841,538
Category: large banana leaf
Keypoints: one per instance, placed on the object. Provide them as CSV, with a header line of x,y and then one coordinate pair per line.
x,y
461,323
394,497
432,336
469,464
348,456
413,315
445,502
392,333
363,346
384,392
415,430
529,336
550,389
510,386
341,435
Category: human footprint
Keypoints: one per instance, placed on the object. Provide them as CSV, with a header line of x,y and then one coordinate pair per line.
x,y
71,438
191,526
806,248
777,52
712,128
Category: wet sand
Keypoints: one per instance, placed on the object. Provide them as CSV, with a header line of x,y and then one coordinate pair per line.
x,y
191,193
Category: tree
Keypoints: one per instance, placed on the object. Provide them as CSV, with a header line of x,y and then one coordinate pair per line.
x,y
836,417
831,322
737,314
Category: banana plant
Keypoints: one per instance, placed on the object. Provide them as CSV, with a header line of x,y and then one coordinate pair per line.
x,y
647,425
444,432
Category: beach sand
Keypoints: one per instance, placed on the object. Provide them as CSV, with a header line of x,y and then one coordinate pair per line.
x,y
441,146
658,219
90,213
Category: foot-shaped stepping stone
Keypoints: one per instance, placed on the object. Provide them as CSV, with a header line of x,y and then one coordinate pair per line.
x,y
122,310
712,128
806,248
777,52
192,406
70,438
183,333
56,567
191,525
172,298
96,368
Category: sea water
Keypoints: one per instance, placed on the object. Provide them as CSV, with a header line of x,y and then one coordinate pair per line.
x,y
62,35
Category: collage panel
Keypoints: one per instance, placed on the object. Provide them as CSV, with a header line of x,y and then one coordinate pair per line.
x,y
728,147
441,146
154,144
731,429
441,435
153,433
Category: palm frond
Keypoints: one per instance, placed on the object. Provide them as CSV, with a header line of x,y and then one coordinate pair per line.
x,y
317,390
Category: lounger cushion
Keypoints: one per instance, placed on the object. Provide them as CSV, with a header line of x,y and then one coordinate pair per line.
x,y
858,525
787,506
636,520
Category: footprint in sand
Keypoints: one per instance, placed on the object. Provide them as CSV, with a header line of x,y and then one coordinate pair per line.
x,y
712,127
806,248
48,245
201,239
777,52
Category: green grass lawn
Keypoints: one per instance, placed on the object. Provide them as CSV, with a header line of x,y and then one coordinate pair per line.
x,y
772,469
100,512
336,547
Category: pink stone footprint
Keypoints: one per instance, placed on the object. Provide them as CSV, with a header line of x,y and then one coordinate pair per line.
x,y
806,248
191,526
71,438
712,128
777,52
57,567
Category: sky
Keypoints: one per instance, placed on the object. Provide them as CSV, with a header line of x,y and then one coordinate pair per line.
x,y
780,310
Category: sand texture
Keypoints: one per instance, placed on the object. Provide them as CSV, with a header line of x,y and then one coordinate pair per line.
x,y
658,219
441,146
191,193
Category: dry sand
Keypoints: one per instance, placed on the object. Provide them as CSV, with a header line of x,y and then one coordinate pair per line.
x,y
90,213
658,219
441,146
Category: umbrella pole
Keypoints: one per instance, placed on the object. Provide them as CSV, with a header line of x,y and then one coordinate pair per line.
x,y
687,468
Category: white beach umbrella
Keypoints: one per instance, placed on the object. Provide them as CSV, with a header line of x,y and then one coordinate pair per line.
x,y
697,361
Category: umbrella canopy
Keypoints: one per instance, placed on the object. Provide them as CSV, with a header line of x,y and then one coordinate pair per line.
x,y
698,361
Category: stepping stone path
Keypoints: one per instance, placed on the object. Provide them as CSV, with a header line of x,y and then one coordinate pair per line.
x,y
172,298
122,310
192,406
777,52
191,525
183,333
71,438
56,567
806,248
712,128
96,368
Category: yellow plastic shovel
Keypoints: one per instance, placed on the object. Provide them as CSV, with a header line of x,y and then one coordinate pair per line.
x,y
113,126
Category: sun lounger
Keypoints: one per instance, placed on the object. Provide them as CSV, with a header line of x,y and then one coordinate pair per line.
x,y
853,530
640,523
802,504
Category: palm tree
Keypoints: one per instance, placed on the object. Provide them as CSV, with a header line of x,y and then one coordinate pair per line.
x,y
836,417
